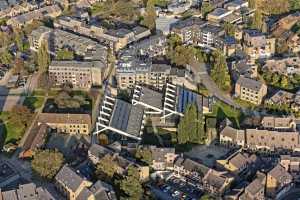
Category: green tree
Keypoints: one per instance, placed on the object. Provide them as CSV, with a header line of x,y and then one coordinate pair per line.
x,y
46,163
207,197
150,15
144,155
294,4
229,28
284,82
252,3
19,37
191,127
106,168
43,57
219,71
257,20
6,57
206,8
131,185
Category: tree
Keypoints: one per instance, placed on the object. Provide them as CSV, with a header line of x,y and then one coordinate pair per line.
x,y
252,3
229,28
131,185
21,115
257,20
207,197
294,4
6,57
19,66
46,163
106,168
191,127
144,155
219,71
150,15
284,82
67,100
206,8
43,57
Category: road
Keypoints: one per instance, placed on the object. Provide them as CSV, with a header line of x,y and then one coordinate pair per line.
x,y
293,194
202,76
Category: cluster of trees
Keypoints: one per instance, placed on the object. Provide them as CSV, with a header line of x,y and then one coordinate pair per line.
x,y
69,100
282,81
43,57
206,8
219,71
128,186
177,53
191,127
150,15
21,116
47,163
122,9
145,155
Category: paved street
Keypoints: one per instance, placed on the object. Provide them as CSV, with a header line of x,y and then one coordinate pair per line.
x,y
202,76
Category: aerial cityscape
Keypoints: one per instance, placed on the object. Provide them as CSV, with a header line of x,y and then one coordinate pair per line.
x,y
149,99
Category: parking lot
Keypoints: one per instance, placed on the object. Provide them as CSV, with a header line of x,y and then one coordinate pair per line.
x,y
177,188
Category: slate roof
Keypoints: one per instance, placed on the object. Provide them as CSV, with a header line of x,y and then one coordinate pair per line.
x,y
158,154
250,83
127,118
151,97
280,174
69,177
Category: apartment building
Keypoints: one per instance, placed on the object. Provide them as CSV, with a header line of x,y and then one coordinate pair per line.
x,y
257,46
38,14
115,38
67,123
58,39
256,189
81,74
250,90
196,31
14,9
291,164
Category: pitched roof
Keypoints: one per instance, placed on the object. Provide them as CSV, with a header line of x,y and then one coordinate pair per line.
x,y
62,118
69,178
250,83
280,174
158,154
238,160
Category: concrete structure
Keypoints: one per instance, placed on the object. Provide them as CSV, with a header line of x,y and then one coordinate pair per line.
x,y
283,66
163,158
80,74
250,90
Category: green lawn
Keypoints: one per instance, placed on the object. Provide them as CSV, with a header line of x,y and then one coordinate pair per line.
x,y
12,131
33,102
222,111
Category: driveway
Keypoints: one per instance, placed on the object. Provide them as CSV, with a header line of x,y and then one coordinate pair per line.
x,y
202,76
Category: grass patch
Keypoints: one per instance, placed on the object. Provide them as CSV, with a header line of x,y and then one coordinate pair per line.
x,y
11,131
222,111
33,102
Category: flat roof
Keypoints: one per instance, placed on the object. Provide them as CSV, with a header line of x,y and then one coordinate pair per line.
x,y
151,97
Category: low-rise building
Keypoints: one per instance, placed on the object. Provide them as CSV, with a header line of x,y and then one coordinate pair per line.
x,y
26,191
283,66
75,187
256,45
67,123
190,169
250,90
26,18
272,140
163,158
116,38
232,136
278,123
216,183
256,189
291,164
278,181
58,39
81,74
96,152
